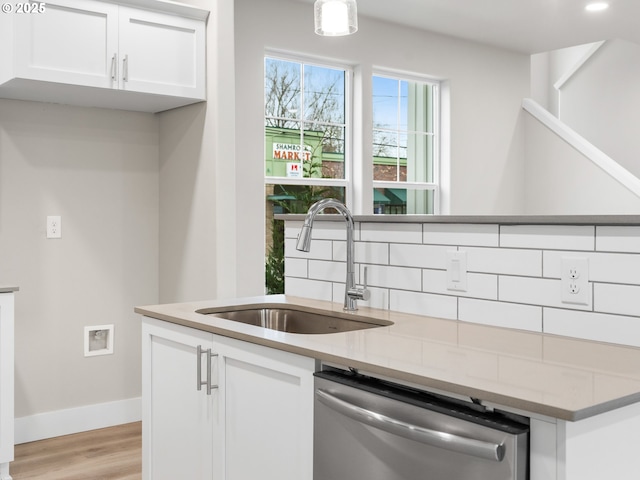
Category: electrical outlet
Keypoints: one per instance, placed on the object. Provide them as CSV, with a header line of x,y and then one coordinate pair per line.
x,y
54,226
575,280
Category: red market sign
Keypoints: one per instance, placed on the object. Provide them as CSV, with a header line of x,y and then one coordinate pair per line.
x,y
291,152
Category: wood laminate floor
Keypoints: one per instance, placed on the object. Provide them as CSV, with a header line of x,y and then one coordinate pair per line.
x,y
113,453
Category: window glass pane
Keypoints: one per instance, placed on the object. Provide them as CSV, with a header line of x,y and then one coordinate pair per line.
x,y
401,201
284,151
403,106
324,99
385,156
385,102
281,92
327,150
419,147
403,130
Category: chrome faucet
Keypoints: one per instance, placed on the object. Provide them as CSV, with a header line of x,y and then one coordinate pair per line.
x,y
351,292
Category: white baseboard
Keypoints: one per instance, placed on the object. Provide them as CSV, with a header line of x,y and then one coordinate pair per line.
x,y
75,420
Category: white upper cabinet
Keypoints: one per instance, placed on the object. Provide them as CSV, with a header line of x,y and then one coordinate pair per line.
x,y
169,61
70,42
105,54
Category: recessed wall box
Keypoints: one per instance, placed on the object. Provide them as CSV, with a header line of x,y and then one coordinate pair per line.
x,y
98,340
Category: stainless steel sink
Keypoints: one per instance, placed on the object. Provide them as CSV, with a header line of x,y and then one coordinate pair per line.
x,y
293,320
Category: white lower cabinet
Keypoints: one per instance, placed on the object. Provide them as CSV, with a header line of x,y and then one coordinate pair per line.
x,y
6,382
254,420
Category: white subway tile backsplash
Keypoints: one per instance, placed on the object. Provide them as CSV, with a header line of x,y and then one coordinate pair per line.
x,y
424,256
302,287
513,273
593,326
622,299
391,232
340,251
328,271
618,239
509,261
500,314
478,285
369,252
615,267
295,267
379,298
535,291
334,230
320,249
395,277
423,304
292,228
337,290
559,237
461,234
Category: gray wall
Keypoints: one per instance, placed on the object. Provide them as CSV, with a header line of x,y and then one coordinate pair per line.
x,y
486,87
561,181
98,169
602,102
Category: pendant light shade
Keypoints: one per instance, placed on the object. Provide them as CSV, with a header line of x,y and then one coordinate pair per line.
x,y
336,17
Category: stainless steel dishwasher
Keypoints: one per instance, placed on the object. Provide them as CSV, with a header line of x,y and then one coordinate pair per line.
x,y
370,429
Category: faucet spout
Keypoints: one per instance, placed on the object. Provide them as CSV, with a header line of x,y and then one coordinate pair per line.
x,y
352,293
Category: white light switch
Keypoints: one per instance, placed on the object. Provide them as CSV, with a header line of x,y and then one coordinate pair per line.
x,y
457,271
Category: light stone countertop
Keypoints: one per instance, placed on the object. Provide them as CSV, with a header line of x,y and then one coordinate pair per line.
x,y
8,289
538,373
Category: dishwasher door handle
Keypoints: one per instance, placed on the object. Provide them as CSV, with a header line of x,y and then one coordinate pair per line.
x,y
456,443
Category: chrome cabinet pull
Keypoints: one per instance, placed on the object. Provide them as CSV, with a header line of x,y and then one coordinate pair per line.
x,y
114,66
209,357
125,68
456,443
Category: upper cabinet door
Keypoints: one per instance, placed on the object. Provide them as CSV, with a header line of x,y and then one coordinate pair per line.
x,y
161,54
72,41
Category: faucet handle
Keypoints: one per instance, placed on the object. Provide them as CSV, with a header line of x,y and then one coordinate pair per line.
x,y
361,293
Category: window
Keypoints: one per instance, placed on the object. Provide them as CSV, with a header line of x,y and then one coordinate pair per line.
x,y
306,145
307,125
405,145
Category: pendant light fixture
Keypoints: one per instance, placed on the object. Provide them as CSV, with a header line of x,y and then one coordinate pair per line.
x,y
334,18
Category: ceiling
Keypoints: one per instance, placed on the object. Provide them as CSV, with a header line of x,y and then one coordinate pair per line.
x,y
528,26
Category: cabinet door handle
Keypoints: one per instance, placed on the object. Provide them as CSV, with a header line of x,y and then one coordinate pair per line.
x,y
114,66
125,68
207,381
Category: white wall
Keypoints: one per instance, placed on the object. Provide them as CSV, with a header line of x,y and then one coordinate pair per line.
x,y
602,102
561,181
486,84
548,68
204,195
98,169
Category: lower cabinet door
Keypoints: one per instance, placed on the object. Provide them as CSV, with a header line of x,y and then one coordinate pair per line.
x,y
181,423
268,401
256,422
